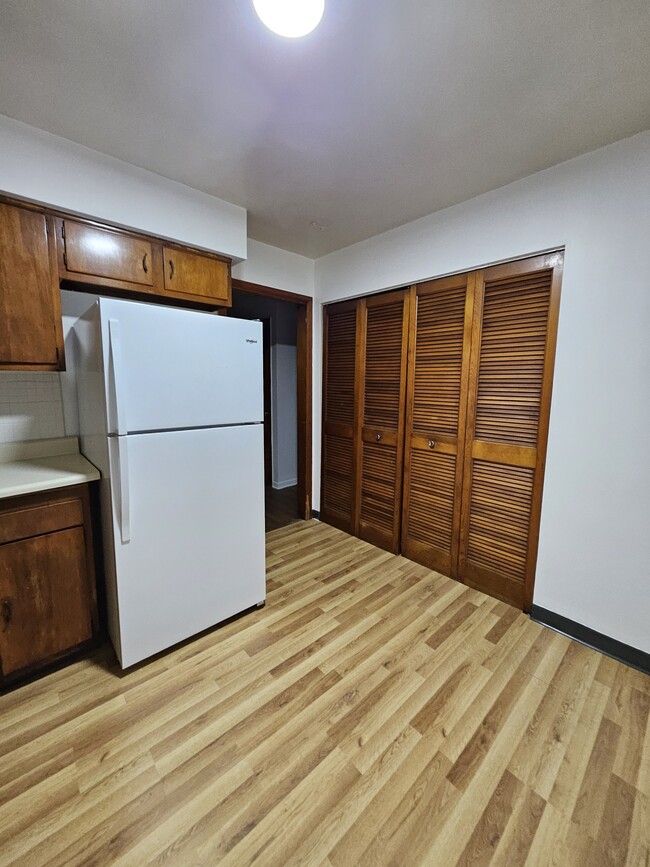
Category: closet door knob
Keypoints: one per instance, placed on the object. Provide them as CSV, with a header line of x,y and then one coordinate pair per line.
x,y
377,437
432,444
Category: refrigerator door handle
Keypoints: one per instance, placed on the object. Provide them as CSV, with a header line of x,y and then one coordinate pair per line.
x,y
115,350
125,499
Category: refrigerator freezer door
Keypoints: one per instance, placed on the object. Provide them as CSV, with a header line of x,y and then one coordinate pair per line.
x,y
195,554
169,369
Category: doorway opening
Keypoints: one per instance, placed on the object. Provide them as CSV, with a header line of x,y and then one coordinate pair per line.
x,y
287,329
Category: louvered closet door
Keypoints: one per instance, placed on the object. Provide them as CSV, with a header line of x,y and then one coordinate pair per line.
x,y
384,337
513,346
338,465
436,405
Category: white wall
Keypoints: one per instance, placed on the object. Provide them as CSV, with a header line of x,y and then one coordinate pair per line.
x,y
284,386
54,171
280,269
594,554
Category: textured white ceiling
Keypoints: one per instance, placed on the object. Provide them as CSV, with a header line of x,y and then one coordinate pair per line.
x,y
391,110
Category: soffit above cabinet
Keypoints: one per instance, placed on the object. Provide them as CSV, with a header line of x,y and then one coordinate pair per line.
x,y
60,174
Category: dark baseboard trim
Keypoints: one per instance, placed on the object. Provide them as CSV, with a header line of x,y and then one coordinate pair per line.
x,y
315,514
596,640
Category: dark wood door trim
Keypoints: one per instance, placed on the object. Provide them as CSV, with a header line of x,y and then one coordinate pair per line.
x,y
268,410
304,382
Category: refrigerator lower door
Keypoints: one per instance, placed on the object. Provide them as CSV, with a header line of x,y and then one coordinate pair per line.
x,y
194,551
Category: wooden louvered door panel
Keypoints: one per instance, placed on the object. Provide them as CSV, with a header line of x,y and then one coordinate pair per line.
x,y
380,441
339,417
435,419
513,347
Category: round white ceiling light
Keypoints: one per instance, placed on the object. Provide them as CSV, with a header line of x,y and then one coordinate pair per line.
x,y
292,18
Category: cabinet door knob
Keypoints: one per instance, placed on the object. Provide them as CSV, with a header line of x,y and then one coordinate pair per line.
x,y
5,612
145,263
432,444
377,437
171,269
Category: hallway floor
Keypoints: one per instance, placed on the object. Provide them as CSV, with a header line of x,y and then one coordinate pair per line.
x,y
281,507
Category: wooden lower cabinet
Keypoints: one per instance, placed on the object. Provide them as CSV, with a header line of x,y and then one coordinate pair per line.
x,y
47,579
449,467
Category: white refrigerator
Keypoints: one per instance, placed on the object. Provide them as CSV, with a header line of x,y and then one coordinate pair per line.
x,y
170,411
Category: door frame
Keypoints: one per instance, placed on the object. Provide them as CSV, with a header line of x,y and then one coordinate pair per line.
x,y
304,376
268,402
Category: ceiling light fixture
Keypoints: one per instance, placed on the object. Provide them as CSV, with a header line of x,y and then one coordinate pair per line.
x,y
292,18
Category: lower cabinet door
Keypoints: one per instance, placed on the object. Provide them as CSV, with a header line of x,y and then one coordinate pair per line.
x,y
44,605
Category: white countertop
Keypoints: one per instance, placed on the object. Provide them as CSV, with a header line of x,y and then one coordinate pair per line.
x,y
41,465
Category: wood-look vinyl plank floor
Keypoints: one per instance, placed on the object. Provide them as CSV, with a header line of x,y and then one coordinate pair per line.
x,y
374,712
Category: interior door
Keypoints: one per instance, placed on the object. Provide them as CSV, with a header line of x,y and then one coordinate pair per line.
x,y
379,442
513,347
339,415
440,336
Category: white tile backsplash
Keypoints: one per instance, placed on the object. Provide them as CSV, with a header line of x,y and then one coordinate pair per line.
x,y
30,406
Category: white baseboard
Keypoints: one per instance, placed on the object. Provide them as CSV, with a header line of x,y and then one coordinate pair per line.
x,y
278,486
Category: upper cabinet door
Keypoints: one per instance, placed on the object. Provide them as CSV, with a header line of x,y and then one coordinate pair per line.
x,y
379,441
436,406
193,277
339,414
513,348
109,255
30,312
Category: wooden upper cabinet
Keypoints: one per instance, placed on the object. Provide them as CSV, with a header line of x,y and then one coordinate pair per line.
x,y
90,252
111,259
195,277
31,335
